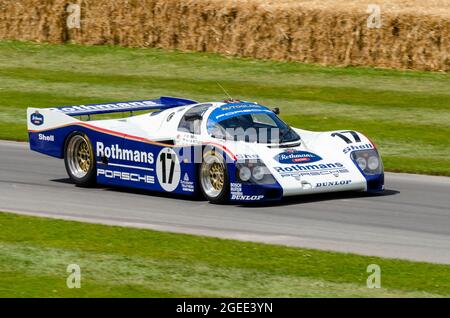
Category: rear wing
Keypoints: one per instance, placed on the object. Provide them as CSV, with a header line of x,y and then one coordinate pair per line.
x,y
163,102
39,119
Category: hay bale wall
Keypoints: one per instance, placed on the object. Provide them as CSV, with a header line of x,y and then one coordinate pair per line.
x,y
414,34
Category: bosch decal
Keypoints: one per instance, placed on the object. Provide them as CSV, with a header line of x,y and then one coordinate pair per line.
x,y
236,189
295,156
237,194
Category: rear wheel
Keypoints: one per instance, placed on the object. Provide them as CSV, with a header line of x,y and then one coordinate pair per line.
x,y
214,182
79,159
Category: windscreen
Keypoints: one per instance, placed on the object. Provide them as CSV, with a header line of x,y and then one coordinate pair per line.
x,y
250,123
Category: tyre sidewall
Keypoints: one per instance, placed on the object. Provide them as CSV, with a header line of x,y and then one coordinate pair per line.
x,y
90,178
223,197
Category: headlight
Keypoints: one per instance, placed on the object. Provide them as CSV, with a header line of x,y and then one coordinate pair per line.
x,y
368,161
254,171
362,163
373,163
258,172
245,174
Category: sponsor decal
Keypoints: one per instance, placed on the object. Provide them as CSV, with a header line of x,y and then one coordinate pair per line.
x,y
239,106
43,137
106,107
236,188
236,193
247,197
315,167
333,183
298,175
233,110
118,153
299,170
357,147
37,118
186,184
125,176
243,156
295,156
188,139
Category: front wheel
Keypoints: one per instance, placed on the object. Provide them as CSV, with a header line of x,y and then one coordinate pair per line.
x,y
214,182
79,159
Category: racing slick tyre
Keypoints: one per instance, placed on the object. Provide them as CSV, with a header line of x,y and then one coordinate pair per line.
x,y
213,175
79,159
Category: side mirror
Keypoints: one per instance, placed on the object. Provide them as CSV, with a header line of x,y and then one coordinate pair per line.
x,y
276,111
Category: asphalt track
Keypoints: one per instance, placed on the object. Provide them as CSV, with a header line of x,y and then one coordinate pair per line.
x,y
411,220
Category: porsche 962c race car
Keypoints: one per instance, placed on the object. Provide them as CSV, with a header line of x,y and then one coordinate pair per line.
x,y
227,151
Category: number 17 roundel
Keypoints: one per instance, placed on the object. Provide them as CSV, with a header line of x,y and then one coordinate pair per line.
x,y
168,169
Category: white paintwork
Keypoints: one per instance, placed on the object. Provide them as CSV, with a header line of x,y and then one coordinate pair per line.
x,y
157,127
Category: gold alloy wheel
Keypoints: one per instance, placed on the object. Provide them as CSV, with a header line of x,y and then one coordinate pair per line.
x,y
212,175
84,156
217,175
79,156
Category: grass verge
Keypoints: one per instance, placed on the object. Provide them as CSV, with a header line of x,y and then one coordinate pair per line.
x,y
126,262
407,114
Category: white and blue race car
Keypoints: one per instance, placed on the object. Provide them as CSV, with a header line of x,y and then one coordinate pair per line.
x,y
227,151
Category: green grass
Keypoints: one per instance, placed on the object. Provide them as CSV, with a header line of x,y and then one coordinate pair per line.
x,y
125,262
407,114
